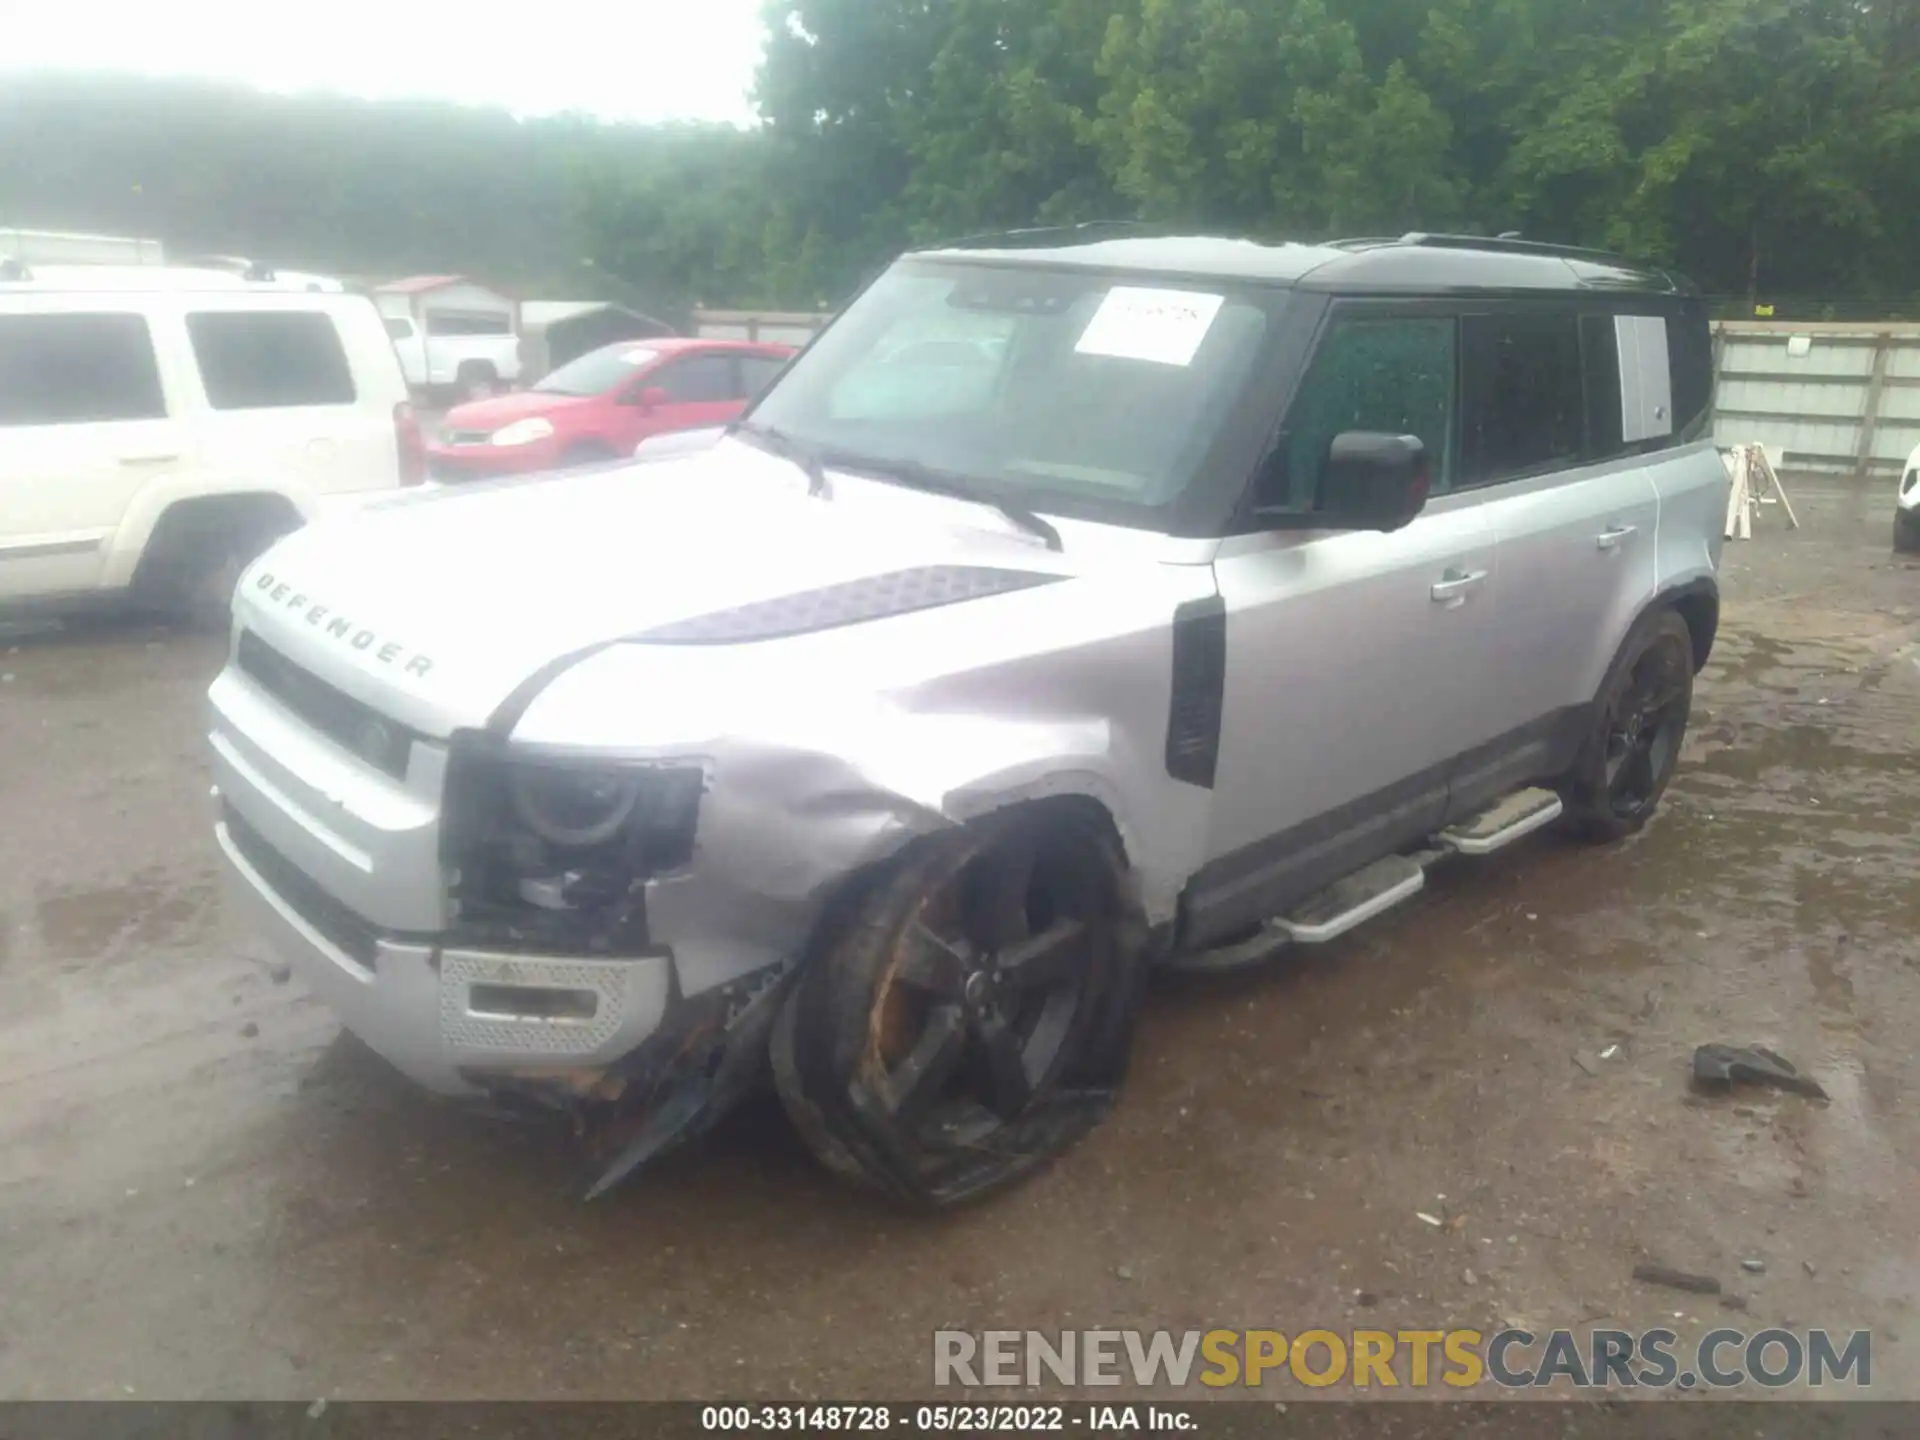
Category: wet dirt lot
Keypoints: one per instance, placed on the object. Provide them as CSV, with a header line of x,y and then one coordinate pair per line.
x,y
206,1191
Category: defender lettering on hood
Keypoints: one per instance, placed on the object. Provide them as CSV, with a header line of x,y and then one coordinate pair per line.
x,y
341,627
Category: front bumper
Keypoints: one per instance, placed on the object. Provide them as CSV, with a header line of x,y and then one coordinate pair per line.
x,y
455,463
451,1019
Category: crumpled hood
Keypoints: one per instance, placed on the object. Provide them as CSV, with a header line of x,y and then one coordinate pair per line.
x,y
435,607
503,410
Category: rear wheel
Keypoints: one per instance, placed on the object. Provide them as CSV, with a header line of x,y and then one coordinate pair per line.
x,y
1640,721
969,1017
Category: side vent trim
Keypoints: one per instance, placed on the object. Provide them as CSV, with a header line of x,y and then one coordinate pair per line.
x,y
1199,691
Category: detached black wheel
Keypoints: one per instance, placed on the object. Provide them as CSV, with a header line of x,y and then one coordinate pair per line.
x,y
970,1017
1629,758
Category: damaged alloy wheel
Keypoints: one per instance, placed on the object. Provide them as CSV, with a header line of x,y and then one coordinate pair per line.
x,y
970,1016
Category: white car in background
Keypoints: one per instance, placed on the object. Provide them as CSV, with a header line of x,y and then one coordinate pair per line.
x,y
1906,511
160,426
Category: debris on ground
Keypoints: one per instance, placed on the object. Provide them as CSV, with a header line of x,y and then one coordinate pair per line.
x,y
1717,1068
1754,1267
1433,1220
1676,1279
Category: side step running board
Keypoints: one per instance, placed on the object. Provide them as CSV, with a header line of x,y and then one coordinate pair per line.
x,y
1381,886
1353,901
1499,825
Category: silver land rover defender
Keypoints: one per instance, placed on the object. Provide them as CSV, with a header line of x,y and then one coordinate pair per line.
x,y
1075,604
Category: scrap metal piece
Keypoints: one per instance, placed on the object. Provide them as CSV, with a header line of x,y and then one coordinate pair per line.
x,y
1718,1068
1676,1279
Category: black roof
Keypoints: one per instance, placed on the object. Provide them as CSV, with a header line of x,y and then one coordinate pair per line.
x,y
1410,264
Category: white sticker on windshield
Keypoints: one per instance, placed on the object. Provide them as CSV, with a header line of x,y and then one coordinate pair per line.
x,y
1162,326
637,357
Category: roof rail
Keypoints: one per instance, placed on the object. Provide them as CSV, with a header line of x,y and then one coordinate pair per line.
x,y
1038,234
1508,242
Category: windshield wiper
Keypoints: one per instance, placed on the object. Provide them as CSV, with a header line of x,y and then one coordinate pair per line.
x,y
787,447
915,476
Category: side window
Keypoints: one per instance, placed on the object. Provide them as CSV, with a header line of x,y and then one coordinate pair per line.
x,y
75,369
1600,356
1525,403
757,372
699,380
1393,376
1690,358
400,329
267,359
447,322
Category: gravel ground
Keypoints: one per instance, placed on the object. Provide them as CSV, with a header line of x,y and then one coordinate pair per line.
x,y
205,1190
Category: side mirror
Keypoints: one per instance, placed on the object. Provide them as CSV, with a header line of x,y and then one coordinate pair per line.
x,y
1369,481
651,398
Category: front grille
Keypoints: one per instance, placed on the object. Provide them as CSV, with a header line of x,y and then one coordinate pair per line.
x,y
466,437
333,918
351,724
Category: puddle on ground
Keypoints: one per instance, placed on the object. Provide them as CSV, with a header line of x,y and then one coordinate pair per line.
x,y
152,909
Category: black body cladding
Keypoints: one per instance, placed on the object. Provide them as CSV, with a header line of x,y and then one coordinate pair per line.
x,y
1199,691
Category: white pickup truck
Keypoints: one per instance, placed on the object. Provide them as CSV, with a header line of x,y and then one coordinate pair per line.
x,y
451,336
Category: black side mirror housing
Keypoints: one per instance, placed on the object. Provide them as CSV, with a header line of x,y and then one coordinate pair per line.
x,y
1369,481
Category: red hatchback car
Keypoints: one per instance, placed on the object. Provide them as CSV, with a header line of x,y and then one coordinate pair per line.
x,y
602,405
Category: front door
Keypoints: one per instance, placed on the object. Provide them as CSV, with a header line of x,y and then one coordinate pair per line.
x,y
700,390
1359,664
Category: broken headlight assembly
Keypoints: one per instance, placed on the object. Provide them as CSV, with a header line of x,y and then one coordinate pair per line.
x,y
557,852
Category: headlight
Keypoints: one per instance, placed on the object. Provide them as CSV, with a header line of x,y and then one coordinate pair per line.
x,y
522,432
573,808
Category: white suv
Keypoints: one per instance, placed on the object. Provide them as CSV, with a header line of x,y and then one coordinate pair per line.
x,y
160,427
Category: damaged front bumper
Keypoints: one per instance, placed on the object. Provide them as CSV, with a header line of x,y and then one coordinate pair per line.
x,y
612,1043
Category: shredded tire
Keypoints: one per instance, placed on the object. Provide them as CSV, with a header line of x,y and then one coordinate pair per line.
x,y
838,1062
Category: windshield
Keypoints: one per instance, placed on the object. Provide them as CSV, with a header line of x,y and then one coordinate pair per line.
x,y
1041,386
598,372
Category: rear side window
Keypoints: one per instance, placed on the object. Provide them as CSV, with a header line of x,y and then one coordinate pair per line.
x,y
699,380
1690,359
1524,402
440,323
1600,354
270,359
400,329
1392,376
76,369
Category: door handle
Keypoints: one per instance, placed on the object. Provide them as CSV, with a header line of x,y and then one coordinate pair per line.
x,y
1452,587
1614,536
153,458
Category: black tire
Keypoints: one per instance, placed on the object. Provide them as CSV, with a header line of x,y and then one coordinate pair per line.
x,y
195,555
1640,720
584,452
1906,531
968,1015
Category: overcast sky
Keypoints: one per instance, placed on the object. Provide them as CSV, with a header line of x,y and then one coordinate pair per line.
x,y
626,60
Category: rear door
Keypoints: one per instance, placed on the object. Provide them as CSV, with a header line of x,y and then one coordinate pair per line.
x,y
84,424
1359,664
1563,465
284,408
